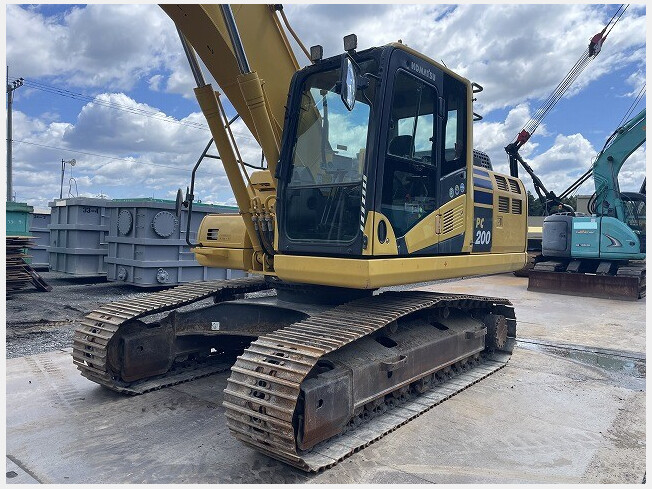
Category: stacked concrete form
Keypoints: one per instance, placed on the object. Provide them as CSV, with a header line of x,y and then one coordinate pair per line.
x,y
38,228
78,228
147,244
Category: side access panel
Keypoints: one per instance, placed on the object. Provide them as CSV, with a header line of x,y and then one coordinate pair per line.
x,y
585,241
556,236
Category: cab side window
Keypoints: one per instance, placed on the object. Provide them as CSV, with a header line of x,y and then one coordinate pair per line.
x,y
412,119
410,175
454,130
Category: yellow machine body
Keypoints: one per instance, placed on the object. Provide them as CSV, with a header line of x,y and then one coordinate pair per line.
x,y
371,181
250,241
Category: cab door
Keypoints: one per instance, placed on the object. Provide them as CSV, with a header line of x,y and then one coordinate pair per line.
x,y
407,192
452,193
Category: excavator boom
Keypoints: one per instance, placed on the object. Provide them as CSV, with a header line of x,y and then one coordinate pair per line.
x,y
267,49
606,168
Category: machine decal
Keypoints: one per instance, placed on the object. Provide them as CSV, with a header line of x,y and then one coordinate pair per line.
x,y
482,226
422,70
480,197
586,225
614,242
401,246
364,197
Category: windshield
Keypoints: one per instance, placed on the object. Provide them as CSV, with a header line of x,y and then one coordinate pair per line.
x,y
324,193
331,140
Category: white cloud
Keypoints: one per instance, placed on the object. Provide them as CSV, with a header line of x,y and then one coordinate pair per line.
x,y
150,156
154,82
109,46
518,53
104,128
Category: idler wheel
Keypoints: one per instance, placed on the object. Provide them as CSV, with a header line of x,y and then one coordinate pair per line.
x,y
496,331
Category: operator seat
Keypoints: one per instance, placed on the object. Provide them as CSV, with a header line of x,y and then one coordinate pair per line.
x,y
401,146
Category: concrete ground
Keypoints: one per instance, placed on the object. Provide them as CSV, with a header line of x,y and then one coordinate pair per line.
x,y
569,407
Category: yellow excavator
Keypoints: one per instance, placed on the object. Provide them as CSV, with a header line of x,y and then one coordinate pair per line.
x,y
371,181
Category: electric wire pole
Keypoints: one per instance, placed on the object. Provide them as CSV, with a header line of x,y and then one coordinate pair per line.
x,y
10,100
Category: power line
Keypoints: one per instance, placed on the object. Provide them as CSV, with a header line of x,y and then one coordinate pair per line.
x,y
633,106
125,108
112,105
102,156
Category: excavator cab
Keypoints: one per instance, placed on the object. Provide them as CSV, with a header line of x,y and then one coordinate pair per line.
x,y
634,206
394,157
371,179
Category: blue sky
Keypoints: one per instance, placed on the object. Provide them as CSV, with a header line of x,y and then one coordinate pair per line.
x,y
130,56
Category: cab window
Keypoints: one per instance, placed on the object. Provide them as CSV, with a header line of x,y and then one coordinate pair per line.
x,y
410,174
411,126
454,130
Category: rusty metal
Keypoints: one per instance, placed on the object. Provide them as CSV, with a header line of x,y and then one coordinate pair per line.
x,y
101,328
266,393
291,394
626,285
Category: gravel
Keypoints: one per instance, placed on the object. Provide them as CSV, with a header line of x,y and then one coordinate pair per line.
x,y
39,322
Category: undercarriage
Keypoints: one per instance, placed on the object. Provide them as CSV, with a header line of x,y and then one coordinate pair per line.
x,y
310,382
606,279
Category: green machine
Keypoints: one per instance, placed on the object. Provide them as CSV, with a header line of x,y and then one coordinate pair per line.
x,y
18,218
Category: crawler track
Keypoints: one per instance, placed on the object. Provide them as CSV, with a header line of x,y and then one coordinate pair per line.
x,y
92,337
264,388
552,276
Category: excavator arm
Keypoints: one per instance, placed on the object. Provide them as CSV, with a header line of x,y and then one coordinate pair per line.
x,y
248,54
621,144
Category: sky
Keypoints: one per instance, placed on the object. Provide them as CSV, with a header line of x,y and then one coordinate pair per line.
x,y
109,86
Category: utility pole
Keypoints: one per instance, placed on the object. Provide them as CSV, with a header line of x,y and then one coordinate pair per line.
x,y
10,100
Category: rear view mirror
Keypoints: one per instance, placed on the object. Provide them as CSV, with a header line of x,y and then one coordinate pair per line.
x,y
348,82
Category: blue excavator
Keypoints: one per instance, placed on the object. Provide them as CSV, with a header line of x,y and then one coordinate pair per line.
x,y
601,254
